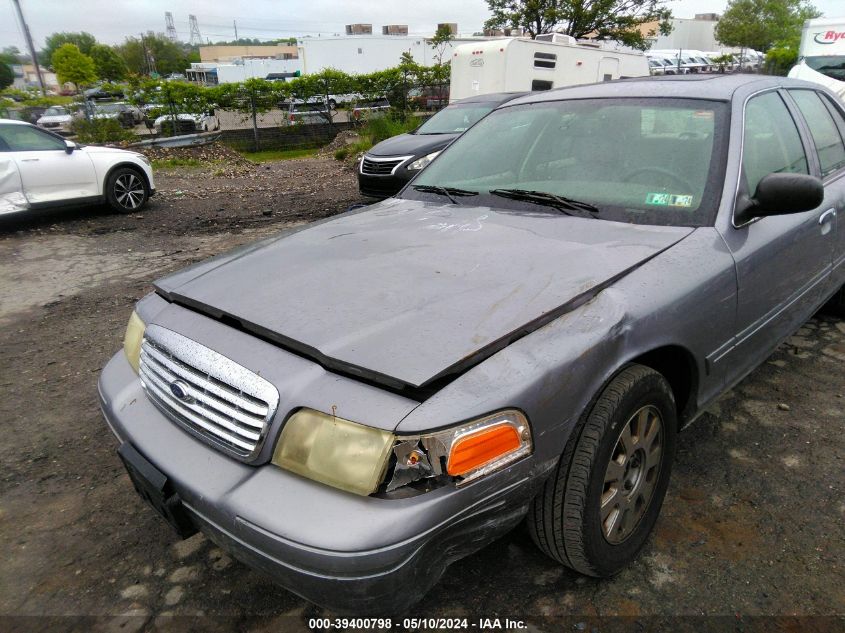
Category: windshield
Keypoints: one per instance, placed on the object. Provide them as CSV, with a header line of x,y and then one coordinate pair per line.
x,y
646,161
55,111
831,65
456,118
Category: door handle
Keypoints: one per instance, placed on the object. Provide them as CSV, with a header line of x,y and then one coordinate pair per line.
x,y
827,215
30,160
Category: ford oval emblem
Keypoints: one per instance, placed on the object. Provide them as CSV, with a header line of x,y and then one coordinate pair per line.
x,y
180,390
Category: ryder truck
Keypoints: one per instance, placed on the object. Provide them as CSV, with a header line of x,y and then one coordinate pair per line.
x,y
822,54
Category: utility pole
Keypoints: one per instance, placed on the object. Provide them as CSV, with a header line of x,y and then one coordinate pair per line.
x,y
30,45
235,23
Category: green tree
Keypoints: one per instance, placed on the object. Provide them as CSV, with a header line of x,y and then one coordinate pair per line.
x,y
83,41
10,55
601,19
108,63
73,65
440,42
165,56
6,75
762,24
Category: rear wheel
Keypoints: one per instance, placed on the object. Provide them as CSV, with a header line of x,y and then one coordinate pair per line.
x,y
598,509
126,190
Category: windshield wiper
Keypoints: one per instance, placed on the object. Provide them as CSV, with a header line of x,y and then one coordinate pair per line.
x,y
560,203
449,192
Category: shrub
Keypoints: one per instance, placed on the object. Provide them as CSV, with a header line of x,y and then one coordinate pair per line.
x,y
341,153
100,131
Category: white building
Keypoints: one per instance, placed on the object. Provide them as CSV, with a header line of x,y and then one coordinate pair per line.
x,y
368,53
210,73
692,34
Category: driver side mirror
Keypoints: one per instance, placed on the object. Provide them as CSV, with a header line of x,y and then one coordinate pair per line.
x,y
782,194
70,146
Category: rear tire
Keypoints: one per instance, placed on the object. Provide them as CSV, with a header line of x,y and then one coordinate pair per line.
x,y
596,512
126,190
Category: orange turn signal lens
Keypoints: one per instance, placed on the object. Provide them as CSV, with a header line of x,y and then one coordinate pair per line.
x,y
482,447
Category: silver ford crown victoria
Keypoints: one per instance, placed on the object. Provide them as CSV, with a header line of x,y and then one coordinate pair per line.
x,y
517,336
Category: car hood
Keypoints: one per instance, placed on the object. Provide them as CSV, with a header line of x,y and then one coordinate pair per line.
x,y
412,144
59,118
407,292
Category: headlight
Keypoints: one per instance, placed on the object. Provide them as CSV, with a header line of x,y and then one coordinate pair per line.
x,y
334,451
363,460
132,340
422,162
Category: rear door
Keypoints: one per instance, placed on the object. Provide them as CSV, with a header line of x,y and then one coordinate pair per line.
x,y
782,262
826,122
48,173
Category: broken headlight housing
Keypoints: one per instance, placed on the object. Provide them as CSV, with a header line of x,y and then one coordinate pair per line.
x,y
365,460
462,453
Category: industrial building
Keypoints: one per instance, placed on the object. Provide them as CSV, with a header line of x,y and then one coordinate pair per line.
x,y
229,52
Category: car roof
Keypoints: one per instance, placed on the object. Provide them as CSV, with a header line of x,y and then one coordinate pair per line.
x,y
14,122
494,97
712,87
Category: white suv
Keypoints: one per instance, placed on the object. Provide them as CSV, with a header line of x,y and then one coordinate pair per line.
x,y
39,169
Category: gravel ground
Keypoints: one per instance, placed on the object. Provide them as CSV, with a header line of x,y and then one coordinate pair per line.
x,y
753,525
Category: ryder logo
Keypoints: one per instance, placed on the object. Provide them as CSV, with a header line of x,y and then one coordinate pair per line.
x,y
829,37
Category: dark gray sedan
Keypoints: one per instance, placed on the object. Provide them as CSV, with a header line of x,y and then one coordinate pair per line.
x,y
355,404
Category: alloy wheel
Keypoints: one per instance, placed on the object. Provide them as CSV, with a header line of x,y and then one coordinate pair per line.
x,y
632,474
129,191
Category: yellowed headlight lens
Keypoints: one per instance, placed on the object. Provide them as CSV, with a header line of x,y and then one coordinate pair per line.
x,y
334,451
132,340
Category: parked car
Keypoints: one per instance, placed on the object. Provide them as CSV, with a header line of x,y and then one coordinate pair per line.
x,y
389,165
186,123
520,335
39,169
128,115
100,93
306,112
365,110
656,67
56,119
429,97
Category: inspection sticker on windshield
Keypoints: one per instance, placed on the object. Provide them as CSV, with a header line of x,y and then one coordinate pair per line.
x,y
668,200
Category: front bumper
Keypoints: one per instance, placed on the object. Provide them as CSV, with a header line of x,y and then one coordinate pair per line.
x,y
384,186
342,551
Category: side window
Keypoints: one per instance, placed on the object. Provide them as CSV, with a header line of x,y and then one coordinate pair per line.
x,y
23,138
823,130
772,142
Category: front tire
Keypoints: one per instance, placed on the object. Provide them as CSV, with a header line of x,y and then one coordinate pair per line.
x,y
597,510
126,190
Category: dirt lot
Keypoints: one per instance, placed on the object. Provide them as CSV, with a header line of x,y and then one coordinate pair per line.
x,y
754,523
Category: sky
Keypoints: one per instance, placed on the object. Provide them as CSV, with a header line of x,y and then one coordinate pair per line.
x,y
112,20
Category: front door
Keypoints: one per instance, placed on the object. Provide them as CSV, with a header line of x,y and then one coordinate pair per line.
x,y
783,262
47,171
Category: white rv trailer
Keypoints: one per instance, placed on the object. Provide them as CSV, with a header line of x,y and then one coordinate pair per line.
x,y
551,61
822,54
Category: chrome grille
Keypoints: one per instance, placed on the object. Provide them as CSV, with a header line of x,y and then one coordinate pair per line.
x,y
380,166
207,393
